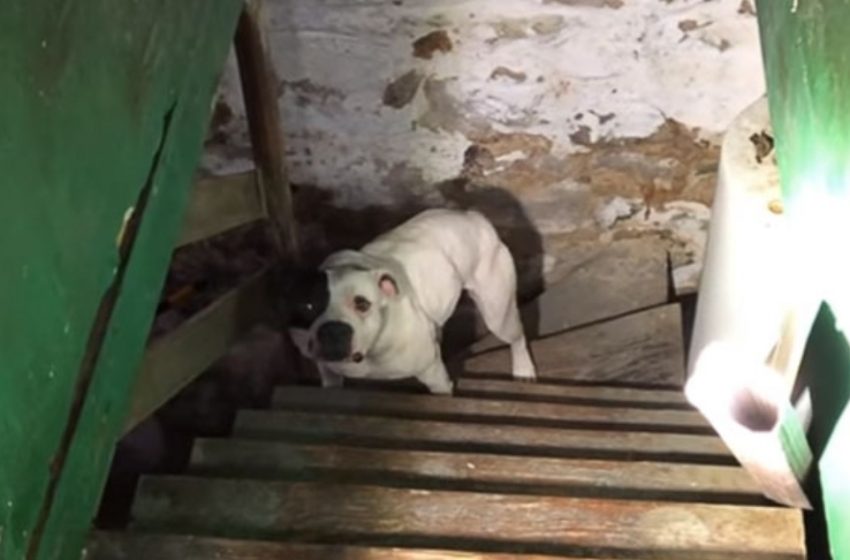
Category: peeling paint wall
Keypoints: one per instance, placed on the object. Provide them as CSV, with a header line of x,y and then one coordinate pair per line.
x,y
601,117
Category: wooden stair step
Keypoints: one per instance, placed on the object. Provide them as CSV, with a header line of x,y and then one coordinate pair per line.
x,y
472,471
595,288
141,546
371,431
656,399
372,515
642,348
460,409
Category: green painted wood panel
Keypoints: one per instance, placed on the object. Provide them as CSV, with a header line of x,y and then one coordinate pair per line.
x,y
836,481
92,92
806,50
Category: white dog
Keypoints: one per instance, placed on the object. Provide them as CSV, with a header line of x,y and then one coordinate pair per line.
x,y
377,313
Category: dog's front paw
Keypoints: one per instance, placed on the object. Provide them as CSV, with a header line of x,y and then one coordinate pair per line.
x,y
438,385
443,386
330,380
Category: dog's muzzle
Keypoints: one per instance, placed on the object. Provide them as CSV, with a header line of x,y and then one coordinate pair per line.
x,y
334,339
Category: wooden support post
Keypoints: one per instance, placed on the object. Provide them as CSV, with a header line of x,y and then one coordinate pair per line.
x,y
259,90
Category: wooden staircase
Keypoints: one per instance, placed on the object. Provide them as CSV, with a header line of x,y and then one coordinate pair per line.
x,y
501,470
582,464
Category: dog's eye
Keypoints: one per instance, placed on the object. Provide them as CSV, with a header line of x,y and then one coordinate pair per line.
x,y
362,304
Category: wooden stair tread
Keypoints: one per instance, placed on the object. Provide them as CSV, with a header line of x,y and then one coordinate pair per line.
x,y
462,409
465,520
471,471
644,348
656,399
361,430
594,289
140,546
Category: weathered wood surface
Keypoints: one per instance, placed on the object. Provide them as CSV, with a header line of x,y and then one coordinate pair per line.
x,y
218,204
405,517
139,546
474,471
656,399
259,88
176,359
491,438
602,283
460,409
643,348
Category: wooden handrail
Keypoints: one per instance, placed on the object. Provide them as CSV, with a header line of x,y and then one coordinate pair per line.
x,y
259,88
179,357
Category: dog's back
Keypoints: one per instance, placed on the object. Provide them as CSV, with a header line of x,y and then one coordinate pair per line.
x,y
439,250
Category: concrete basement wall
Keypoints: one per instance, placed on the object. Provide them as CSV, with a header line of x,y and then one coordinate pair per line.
x,y
600,117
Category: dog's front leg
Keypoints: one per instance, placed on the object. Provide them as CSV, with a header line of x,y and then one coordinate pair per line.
x,y
329,378
437,379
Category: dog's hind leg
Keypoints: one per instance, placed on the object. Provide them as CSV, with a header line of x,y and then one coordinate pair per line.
x,y
493,289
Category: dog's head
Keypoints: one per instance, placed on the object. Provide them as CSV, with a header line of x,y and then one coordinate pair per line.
x,y
336,314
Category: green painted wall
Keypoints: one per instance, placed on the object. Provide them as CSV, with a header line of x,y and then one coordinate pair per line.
x,y
87,86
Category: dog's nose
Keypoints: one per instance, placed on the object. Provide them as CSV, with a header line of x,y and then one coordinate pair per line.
x,y
334,338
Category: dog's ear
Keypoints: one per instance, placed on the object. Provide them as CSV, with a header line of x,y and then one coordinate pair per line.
x,y
280,282
388,285
283,277
291,289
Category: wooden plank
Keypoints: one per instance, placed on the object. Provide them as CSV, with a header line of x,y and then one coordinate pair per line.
x,y
602,282
498,522
109,103
140,546
429,407
474,471
259,88
218,204
486,438
644,348
609,281
176,359
260,93
657,399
